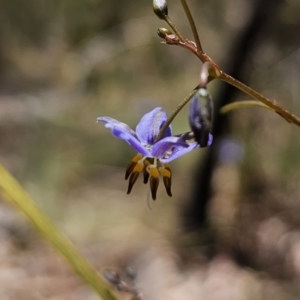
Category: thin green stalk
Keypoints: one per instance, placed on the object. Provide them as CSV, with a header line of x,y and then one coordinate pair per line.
x,y
16,195
240,104
192,24
174,114
174,28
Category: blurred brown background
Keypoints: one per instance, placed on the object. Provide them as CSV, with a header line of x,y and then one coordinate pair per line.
x,y
64,63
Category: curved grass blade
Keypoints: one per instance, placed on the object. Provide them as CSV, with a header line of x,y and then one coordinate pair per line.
x,y
242,104
16,195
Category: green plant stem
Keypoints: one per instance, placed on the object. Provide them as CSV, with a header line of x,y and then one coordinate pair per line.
x,y
16,195
192,24
174,28
174,114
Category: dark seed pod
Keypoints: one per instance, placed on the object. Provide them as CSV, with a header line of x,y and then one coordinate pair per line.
x,y
163,32
160,8
200,116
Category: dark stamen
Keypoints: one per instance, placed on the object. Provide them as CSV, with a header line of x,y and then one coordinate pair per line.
x,y
168,183
154,182
129,169
133,177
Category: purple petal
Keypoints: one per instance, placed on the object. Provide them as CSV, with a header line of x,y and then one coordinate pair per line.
x,y
166,146
179,151
124,132
111,123
149,126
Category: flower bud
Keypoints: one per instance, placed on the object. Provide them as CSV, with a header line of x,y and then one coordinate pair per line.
x,y
200,116
160,8
163,32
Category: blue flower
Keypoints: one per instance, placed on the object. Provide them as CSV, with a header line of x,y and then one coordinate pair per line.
x,y
153,156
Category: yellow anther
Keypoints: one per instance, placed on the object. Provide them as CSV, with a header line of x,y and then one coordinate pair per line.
x,y
138,167
164,172
137,158
152,169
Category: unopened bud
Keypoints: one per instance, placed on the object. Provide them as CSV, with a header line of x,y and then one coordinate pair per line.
x,y
160,8
200,117
163,32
